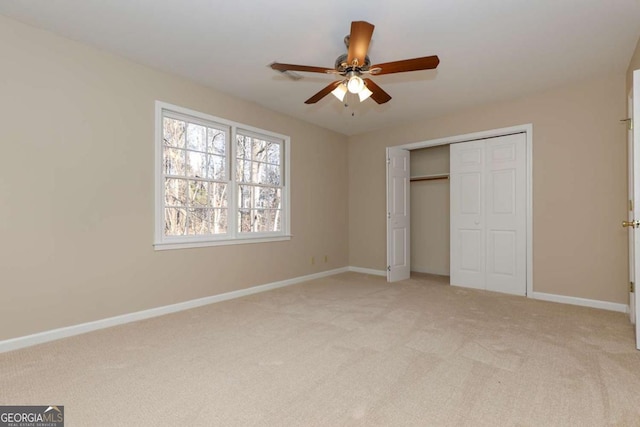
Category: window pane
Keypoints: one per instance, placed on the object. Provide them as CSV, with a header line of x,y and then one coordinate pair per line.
x,y
218,218
243,171
257,172
204,221
244,196
269,174
173,132
198,221
217,141
174,161
259,220
259,148
217,195
244,220
250,196
273,153
175,192
217,168
266,198
198,194
243,147
175,221
196,137
196,164
265,220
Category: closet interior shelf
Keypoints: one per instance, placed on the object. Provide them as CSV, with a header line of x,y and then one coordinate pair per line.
x,y
429,177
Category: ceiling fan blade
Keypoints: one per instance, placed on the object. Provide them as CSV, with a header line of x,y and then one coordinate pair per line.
x,y
292,67
378,95
416,64
324,92
359,40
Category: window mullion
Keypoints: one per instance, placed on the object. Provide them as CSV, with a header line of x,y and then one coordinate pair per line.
x,y
283,184
232,209
187,208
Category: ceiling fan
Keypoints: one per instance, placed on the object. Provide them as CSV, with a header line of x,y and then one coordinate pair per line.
x,y
355,63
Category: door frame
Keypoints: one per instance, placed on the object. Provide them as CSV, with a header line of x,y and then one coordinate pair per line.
x,y
527,129
635,119
630,210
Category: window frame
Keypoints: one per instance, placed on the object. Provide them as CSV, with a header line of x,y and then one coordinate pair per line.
x,y
253,135
233,235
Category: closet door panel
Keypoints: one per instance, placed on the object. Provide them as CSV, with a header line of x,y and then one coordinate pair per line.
x,y
488,214
398,215
505,217
467,218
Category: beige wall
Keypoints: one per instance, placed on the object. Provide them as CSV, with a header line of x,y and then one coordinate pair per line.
x,y
579,184
76,190
430,211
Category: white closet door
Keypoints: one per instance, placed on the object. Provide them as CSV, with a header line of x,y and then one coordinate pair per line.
x,y
488,214
398,215
505,214
467,214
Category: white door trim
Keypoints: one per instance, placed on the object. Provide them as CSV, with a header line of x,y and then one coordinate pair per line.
x,y
528,130
630,213
635,117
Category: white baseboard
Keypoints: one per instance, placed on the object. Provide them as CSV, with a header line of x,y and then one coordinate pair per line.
x,y
604,305
368,271
55,334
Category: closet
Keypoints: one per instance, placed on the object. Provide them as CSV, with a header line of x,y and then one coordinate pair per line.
x,y
468,213
461,206
430,210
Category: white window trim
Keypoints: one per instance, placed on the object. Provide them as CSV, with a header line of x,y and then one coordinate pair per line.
x,y
233,236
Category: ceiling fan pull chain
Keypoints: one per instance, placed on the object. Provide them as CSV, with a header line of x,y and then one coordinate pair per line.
x,y
346,105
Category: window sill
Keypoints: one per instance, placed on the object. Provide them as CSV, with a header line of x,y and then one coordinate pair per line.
x,y
206,243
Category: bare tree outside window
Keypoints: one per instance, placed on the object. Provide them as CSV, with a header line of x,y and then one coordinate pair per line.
x,y
259,174
195,174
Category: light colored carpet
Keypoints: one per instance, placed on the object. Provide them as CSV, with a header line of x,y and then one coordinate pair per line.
x,y
344,350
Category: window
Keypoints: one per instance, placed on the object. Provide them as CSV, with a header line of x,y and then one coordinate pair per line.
x,y
218,182
259,178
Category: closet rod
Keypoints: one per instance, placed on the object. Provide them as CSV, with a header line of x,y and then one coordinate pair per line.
x,y
428,178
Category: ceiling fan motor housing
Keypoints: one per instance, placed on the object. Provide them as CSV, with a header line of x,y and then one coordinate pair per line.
x,y
343,67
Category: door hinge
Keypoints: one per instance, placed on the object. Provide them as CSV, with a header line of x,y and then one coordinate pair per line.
x,y
388,161
388,215
630,205
388,268
631,287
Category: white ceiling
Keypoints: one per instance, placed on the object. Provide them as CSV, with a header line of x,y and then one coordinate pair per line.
x,y
489,50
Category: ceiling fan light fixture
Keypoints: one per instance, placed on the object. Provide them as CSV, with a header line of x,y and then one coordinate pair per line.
x,y
340,91
355,84
364,94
